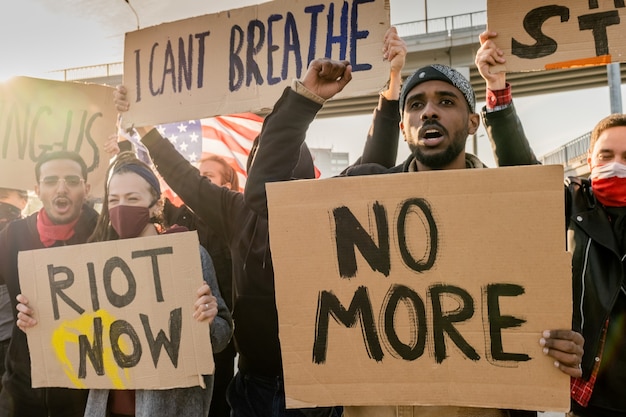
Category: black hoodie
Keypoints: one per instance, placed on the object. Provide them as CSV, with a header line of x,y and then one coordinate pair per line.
x,y
247,236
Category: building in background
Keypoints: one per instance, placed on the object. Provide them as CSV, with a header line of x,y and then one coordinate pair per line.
x,y
328,162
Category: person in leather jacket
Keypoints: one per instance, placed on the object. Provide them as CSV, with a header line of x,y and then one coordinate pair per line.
x,y
595,219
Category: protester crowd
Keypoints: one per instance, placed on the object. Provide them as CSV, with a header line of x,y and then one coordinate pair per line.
x,y
434,109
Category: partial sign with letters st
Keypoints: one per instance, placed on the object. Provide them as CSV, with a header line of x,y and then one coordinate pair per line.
x,y
422,289
544,34
39,116
117,314
241,60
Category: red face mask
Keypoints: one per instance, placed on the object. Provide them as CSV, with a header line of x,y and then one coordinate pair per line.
x,y
129,221
608,183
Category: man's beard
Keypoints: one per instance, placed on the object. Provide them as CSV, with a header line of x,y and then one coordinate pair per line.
x,y
441,159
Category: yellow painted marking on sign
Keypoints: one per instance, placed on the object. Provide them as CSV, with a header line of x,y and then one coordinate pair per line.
x,y
66,335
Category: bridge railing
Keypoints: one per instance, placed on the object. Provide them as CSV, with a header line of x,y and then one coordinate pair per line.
x,y
92,71
570,153
442,24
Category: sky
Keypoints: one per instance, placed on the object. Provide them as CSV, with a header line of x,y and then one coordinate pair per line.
x,y
38,37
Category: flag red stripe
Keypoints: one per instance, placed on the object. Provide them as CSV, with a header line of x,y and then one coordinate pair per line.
x,y
228,140
231,123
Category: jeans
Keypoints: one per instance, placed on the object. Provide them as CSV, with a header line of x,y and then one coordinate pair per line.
x,y
252,395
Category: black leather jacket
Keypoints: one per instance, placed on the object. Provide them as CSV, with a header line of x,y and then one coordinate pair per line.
x,y
598,268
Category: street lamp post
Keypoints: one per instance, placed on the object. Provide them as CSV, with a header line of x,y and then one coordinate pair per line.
x,y
426,14
615,86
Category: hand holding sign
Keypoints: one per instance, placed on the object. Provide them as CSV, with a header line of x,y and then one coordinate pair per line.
x,y
488,58
205,307
566,346
394,51
25,319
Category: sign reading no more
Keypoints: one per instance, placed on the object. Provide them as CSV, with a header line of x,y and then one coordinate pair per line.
x,y
423,288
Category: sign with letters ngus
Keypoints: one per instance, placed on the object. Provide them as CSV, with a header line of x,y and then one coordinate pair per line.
x,y
117,314
428,288
39,116
544,34
241,60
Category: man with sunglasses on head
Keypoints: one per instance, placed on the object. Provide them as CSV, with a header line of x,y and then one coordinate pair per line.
x,y
64,219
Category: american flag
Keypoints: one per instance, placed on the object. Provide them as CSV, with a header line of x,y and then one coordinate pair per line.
x,y
228,136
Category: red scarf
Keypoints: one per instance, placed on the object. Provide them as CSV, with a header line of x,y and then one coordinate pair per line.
x,y
49,232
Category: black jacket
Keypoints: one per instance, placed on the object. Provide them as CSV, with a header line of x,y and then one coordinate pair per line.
x,y
597,270
294,113
22,235
598,274
246,234
598,266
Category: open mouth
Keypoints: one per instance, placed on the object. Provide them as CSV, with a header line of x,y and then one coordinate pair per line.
x,y
431,135
61,205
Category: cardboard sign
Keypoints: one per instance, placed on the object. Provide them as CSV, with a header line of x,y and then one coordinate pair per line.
x,y
39,116
241,60
117,314
422,289
542,34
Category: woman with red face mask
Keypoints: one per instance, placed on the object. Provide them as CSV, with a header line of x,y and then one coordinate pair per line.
x,y
132,208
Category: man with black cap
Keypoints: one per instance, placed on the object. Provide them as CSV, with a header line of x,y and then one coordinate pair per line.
x,y
437,114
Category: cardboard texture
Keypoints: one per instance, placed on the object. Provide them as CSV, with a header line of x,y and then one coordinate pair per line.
x,y
450,314
242,59
541,34
63,347
41,116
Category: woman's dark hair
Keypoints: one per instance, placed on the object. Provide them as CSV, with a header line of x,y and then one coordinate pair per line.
x,y
123,163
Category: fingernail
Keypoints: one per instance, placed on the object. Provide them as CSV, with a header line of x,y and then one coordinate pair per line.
x,y
557,364
545,351
542,341
546,333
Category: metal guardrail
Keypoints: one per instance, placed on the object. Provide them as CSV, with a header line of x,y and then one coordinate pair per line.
x,y
570,153
92,71
442,24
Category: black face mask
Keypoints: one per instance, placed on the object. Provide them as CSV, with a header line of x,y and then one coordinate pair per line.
x,y
8,213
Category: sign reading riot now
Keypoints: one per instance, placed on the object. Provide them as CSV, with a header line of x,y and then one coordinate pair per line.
x,y
545,34
39,116
117,314
422,289
242,59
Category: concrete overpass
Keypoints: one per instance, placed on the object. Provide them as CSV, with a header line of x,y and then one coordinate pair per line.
x,y
450,40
